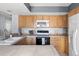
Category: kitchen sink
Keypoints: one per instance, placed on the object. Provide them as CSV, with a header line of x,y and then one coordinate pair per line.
x,y
10,41
14,38
1,38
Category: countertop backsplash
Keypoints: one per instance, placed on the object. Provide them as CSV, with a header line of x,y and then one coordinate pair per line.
x,y
52,30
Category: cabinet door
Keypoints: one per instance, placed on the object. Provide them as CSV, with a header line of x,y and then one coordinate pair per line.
x,y
46,17
65,21
62,21
73,12
22,21
58,21
34,41
21,42
53,21
53,41
31,40
66,46
60,43
29,21
39,17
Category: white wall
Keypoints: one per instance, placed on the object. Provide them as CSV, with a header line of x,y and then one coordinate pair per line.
x,y
5,24
15,23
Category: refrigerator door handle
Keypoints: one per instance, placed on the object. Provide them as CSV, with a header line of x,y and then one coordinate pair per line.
x,y
74,42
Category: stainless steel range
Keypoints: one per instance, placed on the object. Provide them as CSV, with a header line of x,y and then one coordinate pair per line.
x,y
43,36
42,31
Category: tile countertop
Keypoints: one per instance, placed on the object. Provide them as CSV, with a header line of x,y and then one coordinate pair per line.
x,y
13,40
25,35
10,41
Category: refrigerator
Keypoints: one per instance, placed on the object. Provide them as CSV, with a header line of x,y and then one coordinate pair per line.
x,y
73,32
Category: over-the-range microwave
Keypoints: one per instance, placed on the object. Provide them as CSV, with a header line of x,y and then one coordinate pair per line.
x,y
42,23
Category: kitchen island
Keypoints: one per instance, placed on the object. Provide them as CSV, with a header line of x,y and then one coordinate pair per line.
x,y
28,50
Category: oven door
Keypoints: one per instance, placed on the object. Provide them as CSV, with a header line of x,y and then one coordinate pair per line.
x,y
42,23
42,40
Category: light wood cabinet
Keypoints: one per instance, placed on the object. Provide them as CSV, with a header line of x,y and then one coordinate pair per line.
x,y
27,41
65,21
22,21
26,21
73,11
39,17
62,21
58,21
60,43
31,40
29,21
46,18
21,42
54,21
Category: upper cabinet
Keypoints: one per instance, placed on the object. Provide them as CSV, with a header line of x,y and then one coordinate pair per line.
x,y
29,21
38,17
73,11
64,21
58,21
22,21
54,21
46,18
26,21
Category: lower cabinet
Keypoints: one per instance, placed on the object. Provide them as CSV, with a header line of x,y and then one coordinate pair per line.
x,y
21,42
31,40
26,41
60,43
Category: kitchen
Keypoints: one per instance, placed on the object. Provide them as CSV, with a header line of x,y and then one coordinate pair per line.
x,y
38,25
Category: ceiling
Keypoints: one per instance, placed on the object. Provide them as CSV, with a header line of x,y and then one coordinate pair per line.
x,y
14,8
50,4
21,9
49,8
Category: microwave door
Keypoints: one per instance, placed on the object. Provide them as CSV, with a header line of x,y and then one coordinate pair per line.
x,y
42,23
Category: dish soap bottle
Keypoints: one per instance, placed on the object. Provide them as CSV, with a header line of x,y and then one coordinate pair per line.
x,y
10,35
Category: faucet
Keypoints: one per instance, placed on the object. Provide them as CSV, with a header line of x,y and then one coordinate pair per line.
x,y
2,34
6,34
